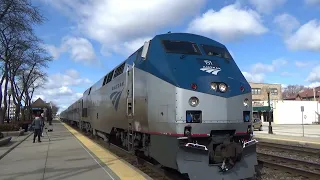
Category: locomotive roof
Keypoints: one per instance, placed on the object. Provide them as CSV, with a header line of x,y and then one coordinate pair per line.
x,y
173,36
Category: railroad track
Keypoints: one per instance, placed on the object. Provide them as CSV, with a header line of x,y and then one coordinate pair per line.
x,y
307,152
292,159
154,171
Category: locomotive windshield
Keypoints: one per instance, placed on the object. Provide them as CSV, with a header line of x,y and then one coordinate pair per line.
x,y
216,51
181,47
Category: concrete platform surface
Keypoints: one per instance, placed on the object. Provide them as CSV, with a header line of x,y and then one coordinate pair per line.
x,y
290,134
15,141
64,157
312,131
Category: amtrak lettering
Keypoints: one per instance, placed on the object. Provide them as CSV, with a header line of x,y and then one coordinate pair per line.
x,y
115,96
117,86
210,66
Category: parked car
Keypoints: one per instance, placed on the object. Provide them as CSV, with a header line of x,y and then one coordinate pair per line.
x,y
257,124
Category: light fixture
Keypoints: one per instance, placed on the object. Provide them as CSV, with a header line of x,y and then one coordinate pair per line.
x,y
246,102
194,86
193,101
214,86
222,87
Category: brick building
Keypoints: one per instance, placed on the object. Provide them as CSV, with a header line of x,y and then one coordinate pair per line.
x,y
260,98
259,91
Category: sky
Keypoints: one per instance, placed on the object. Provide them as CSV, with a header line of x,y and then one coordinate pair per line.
x,y
272,41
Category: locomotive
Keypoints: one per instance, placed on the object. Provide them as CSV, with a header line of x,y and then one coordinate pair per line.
x,y
181,100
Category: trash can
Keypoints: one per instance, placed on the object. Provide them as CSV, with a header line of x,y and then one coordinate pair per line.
x,y
25,127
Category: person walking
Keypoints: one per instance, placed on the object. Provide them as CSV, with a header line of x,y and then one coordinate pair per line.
x,y
37,123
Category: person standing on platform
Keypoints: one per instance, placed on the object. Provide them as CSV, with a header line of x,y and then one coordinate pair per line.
x,y
37,123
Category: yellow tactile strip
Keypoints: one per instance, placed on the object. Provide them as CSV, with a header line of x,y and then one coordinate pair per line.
x,y
121,169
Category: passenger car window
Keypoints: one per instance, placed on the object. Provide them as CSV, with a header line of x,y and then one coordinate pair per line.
x,y
181,47
216,51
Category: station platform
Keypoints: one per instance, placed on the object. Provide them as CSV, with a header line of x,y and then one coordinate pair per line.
x,y
290,134
65,154
310,142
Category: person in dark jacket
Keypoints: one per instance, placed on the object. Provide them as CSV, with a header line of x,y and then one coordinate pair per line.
x,y
37,123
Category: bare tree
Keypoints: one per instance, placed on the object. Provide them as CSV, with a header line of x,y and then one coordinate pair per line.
x,y
18,65
55,109
30,78
292,90
16,20
20,10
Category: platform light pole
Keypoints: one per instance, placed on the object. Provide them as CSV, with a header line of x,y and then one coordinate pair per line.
x,y
9,93
269,112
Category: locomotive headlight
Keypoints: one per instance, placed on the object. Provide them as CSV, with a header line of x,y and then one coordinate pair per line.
x,y
193,101
214,86
222,87
246,102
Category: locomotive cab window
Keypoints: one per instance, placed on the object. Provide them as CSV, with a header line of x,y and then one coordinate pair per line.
x,y
181,47
216,51
109,77
119,70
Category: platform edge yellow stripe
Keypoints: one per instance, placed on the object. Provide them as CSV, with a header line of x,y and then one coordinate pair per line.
x,y
120,168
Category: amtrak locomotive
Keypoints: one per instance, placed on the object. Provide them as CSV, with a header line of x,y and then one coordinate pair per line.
x,y
181,100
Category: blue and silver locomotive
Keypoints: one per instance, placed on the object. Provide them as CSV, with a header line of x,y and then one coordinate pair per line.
x,y
181,100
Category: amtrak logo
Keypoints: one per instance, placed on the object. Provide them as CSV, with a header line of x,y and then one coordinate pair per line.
x,y
210,67
115,98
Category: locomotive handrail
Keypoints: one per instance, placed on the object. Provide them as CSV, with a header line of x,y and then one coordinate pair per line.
x,y
196,144
127,70
253,141
133,89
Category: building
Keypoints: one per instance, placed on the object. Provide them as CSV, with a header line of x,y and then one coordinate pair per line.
x,y
12,109
289,112
310,94
39,106
259,91
260,99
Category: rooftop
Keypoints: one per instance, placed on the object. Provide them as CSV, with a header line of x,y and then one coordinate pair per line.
x,y
305,93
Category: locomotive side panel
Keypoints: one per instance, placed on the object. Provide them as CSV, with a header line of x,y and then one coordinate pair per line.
x,y
141,100
112,100
89,108
77,110
111,109
104,109
85,107
161,105
94,105
162,122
